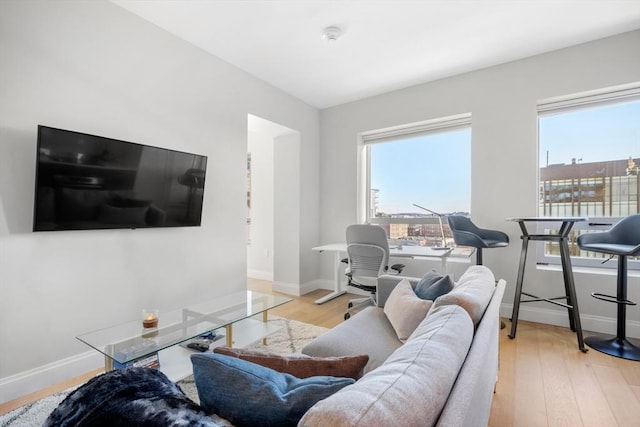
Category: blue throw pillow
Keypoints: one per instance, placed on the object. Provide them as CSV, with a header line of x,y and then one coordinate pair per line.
x,y
432,285
428,279
248,394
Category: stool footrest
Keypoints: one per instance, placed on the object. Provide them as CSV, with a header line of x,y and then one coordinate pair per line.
x,y
611,298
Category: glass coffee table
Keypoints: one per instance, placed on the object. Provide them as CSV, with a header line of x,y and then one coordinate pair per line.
x,y
130,344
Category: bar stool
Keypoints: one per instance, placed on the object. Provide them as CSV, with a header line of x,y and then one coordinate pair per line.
x,y
466,233
623,240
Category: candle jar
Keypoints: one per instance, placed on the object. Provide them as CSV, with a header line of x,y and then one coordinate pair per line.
x,y
150,318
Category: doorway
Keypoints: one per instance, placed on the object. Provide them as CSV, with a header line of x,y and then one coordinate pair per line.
x,y
270,148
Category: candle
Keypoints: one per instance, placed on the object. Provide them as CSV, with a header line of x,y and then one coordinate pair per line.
x,y
150,318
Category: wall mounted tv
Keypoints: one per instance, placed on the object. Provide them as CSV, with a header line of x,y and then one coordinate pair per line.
x,y
86,182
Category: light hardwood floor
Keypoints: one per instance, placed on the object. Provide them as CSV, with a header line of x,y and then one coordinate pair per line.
x,y
544,379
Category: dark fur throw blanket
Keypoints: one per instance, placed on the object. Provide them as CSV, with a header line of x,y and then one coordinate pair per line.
x,y
129,397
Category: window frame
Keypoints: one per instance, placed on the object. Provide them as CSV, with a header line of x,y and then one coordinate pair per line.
x,y
565,104
395,133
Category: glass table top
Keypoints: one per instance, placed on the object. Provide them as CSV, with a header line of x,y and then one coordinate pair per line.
x,y
130,341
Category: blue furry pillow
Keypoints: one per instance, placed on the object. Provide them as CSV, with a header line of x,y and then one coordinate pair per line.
x,y
132,397
247,394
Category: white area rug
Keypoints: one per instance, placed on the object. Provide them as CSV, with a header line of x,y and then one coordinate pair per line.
x,y
291,338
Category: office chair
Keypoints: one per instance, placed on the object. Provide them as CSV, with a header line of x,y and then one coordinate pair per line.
x,y
623,240
367,257
465,233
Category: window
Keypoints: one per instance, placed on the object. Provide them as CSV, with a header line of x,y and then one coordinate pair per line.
x,y
589,150
426,164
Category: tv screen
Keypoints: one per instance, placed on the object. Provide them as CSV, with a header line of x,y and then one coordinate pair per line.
x,y
86,182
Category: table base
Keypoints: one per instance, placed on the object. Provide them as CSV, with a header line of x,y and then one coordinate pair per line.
x,y
570,292
613,346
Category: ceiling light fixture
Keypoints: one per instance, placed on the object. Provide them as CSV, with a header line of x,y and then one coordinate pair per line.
x,y
331,34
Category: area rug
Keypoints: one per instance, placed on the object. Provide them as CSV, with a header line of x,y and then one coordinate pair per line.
x,y
290,338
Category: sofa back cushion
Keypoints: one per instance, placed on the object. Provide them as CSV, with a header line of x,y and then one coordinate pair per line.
x,y
472,292
412,386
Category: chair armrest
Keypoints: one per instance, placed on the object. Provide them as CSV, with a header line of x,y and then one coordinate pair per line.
x,y
387,282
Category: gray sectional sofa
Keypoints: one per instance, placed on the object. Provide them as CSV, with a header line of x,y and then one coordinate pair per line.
x,y
444,374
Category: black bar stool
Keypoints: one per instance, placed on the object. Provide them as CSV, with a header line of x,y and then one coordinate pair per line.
x,y
466,233
623,240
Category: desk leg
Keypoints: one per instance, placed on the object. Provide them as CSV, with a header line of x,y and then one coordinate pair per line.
x,y
336,281
572,300
518,295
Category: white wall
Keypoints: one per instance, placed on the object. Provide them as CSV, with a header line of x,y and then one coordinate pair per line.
x,y
286,203
502,100
95,68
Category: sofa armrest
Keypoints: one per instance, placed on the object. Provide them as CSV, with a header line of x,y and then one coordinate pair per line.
x,y
387,282
469,403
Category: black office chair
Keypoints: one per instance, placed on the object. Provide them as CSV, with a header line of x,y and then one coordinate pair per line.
x,y
623,240
367,258
465,233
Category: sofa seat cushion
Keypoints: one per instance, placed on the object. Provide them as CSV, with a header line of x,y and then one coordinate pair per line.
x,y
472,292
301,365
248,395
367,332
412,386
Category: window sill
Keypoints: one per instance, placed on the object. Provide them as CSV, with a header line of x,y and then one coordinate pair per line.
x,y
588,270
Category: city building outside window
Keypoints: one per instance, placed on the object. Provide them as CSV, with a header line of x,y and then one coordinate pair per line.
x,y
407,172
589,152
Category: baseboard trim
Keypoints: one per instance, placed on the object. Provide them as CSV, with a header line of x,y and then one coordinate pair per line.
x,y
591,323
307,287
324,284
286,288
260,275
23,383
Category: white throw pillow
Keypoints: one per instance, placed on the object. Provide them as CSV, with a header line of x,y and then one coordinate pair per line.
x,y
405,310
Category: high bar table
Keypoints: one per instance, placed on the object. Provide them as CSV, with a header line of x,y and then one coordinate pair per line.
x,y
570,292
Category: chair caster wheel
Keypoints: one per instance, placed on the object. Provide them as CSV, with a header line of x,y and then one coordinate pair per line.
x,y
350,305
347,316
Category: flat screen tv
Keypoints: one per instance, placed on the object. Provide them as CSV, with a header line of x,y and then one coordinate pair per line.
x,y
86,182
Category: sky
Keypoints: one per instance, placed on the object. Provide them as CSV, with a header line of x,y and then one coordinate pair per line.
x,y
593,134
434,171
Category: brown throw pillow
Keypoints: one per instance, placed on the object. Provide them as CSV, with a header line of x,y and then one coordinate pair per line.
x,y
301,365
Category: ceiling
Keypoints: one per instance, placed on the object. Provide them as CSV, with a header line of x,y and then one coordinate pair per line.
x,y
385,44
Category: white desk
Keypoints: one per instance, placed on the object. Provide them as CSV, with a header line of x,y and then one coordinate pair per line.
x,y
414,252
